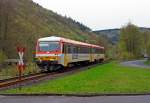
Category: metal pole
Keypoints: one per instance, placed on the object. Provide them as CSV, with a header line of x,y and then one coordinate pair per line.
x,y
20,78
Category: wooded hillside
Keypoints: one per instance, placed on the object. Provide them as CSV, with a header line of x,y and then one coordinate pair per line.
x,y
22,22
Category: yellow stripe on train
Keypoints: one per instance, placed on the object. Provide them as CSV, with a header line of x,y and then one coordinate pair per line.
x,y
51,58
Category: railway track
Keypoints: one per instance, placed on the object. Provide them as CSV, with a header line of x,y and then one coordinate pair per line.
x,y
13,78
16,80
35,78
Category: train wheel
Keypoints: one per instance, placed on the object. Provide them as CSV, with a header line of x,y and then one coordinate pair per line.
x,y
61,69
50,68
55,68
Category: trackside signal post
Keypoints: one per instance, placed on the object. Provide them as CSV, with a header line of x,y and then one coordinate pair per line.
x,y
20,65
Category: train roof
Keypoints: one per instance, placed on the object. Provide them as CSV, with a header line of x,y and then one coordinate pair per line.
x,y
65,40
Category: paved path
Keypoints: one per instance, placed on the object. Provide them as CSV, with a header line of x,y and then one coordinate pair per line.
x,y
61,99
136,63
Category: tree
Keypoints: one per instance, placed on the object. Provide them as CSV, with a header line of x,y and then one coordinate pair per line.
x,y
146,43
5,14
2,57
130,42
6,11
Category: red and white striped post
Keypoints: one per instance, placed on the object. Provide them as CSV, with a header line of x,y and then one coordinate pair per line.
x,y
21,65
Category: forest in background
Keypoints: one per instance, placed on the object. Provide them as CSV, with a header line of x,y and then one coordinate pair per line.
x,y
22,22
133,43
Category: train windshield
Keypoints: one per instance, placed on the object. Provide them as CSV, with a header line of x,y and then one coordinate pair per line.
x,y
49,46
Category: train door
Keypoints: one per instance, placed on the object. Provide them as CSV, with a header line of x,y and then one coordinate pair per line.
x,y
75,53
65,55
91,55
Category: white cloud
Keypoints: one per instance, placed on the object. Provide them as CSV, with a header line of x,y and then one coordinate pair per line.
x,y
102,14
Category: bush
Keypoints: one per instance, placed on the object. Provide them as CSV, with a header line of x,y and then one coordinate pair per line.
x,y
2,57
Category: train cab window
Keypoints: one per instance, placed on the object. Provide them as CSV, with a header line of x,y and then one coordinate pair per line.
x,y
49,46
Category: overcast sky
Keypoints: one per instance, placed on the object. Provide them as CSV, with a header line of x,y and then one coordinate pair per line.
x,y
102,14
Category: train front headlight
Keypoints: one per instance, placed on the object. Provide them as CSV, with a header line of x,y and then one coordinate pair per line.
x,y
50,58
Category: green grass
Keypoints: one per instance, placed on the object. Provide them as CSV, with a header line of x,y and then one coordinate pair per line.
x,y
107,78
147,62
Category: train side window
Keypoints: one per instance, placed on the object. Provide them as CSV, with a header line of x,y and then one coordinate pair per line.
x,y
103,51
79,50
94,50
83,50
75,49
69,49
99,51
86,50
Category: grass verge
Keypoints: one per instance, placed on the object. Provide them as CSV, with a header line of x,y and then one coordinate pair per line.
x,y
107,78
12,71
147,62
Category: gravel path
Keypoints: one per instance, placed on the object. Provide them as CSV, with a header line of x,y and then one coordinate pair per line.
x,y
136,63
63,99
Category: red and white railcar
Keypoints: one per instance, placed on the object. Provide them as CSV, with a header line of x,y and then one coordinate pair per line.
x,y
52,53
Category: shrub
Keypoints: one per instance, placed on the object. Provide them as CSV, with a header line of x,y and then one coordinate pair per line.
x,y
2,57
